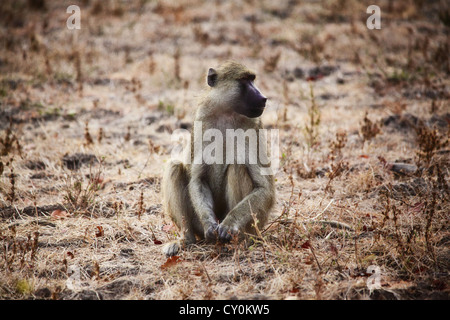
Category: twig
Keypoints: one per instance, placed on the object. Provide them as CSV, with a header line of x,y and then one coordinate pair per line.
x,y
315,258
206,272
311,219
145,165
336,224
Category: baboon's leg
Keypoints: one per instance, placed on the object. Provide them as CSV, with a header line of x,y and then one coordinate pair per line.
x,y
249,196
239,185
177,204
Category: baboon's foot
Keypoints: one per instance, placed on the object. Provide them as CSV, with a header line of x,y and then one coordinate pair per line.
x,y
172,248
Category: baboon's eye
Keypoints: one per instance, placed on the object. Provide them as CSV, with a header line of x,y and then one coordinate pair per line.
x,y
251,77
248,77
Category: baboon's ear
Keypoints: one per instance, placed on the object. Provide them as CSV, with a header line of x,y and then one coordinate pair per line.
x,y
212,77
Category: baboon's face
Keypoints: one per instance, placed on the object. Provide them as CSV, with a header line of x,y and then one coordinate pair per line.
x,y
251,102
235,87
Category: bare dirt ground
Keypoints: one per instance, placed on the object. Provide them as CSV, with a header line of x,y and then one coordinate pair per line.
x,y
86,118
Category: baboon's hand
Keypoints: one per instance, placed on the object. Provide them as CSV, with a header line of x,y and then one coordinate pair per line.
x,y
226,232
211,233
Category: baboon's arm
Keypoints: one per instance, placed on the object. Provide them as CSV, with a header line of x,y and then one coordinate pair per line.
x,y
202,201
259,202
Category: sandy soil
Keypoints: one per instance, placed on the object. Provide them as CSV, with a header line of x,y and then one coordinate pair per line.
x,y
86,118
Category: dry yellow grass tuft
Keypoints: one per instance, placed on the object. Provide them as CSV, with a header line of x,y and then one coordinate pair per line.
x,y
86,118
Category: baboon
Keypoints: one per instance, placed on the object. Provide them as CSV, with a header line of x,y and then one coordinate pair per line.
x,y
221,200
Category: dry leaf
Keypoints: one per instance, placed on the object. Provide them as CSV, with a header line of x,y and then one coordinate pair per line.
x,y
294,290
100,232
417,207
309,260
197,272
306,245
96,271
171,261
59,214
167,227
333,249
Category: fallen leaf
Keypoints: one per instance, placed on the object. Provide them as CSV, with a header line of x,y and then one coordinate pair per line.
x,y
417,207
333,249
167,227
156,241
197,272
59,214
96,271
382,160
308,260
294,290
306,245
314,78
365,156
100,232
171,261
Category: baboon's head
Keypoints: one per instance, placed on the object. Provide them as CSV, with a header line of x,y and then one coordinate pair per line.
x,y
232,86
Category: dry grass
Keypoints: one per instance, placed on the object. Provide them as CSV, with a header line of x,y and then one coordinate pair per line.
x,y
85,124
